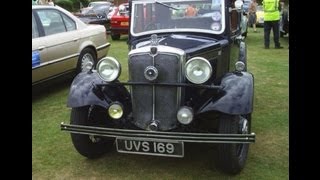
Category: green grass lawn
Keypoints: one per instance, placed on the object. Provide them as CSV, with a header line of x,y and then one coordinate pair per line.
x,y
53,155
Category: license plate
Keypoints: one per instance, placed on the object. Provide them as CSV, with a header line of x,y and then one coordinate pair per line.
x,y
150,147
124,23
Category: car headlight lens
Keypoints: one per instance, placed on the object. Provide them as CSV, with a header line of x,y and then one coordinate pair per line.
x,y
185,115
198,70
115,110
108,69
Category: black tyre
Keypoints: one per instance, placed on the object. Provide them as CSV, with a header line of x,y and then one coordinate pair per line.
x,y
87,60
230,157
87,145
115,36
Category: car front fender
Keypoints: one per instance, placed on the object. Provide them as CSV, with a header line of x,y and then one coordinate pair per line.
x,y
238,95
82,91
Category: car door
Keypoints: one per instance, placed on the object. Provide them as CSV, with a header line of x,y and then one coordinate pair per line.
x,y
38,50
61,44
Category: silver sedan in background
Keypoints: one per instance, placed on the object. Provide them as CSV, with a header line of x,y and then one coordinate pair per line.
x,y
63,44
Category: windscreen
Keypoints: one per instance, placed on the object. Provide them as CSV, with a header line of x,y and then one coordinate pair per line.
x,y
158,16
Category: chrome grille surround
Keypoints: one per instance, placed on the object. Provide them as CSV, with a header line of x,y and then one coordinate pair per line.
x,y
155,103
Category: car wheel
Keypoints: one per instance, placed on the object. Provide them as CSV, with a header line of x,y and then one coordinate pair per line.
x,y
231,157
87,60
88,145
115,36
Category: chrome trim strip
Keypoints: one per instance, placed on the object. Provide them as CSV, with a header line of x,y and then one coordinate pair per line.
x,y
161,49
153,95
103,46
68,57
162,84
59,44
53,77
56,60
179,136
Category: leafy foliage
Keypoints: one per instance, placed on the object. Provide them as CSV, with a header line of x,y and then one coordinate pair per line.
x,y
72,5
66,4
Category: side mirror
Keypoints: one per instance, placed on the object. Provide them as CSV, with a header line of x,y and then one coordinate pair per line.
x,y
238,5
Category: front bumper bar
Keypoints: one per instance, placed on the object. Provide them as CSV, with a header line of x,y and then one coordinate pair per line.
x,y
178,136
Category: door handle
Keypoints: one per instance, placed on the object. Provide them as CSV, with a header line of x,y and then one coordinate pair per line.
x,y
75,39
40,48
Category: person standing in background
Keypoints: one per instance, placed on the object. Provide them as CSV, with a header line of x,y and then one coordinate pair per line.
x,y
191,10
272,10
252,14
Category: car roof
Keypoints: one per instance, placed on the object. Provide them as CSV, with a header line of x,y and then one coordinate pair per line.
x,y
100,2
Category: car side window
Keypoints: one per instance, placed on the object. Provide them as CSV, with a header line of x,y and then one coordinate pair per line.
x,y
35,32
51,21
234,19
70,24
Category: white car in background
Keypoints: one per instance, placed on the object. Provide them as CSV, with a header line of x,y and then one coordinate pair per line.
x,y
63,44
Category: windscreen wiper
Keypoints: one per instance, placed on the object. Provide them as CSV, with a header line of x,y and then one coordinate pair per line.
x,y
157,2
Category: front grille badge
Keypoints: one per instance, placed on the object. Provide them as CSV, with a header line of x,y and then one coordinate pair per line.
x,y
151,73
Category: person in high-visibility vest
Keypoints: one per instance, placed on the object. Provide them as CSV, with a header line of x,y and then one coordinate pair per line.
x,y
272,10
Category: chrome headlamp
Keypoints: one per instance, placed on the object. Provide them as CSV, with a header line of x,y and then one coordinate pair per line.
x,y
198,70
240,66
108,69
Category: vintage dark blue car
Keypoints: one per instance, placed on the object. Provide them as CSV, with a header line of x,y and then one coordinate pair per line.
x,y
188,83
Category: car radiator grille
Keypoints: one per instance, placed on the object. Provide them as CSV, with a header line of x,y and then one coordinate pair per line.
x,y
159,103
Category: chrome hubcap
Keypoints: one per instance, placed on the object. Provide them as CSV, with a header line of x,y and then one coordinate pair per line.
x,y
87,62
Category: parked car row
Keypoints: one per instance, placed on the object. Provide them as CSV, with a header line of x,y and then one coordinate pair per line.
x,y
96,13
119,21
86,10
114,18
63,44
